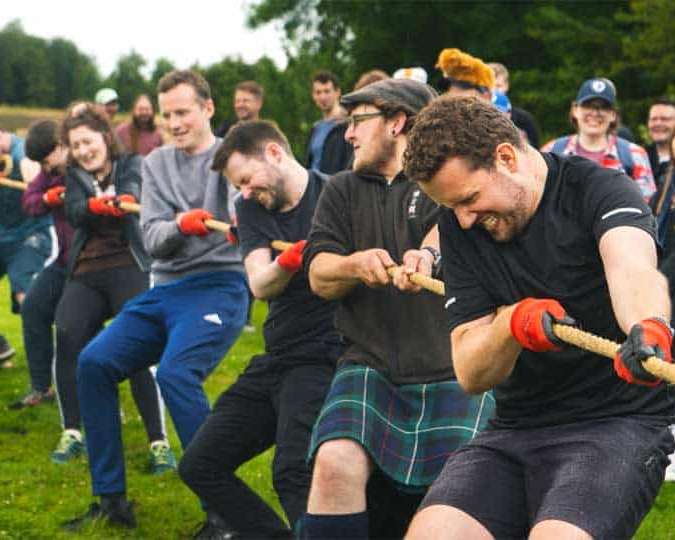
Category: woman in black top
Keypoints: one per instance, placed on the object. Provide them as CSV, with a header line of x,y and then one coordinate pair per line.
x,y
107,265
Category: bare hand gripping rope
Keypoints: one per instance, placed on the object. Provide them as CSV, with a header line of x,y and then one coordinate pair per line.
x,y
568,334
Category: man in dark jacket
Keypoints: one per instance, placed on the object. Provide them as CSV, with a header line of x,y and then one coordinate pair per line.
x,y
327,150
377,416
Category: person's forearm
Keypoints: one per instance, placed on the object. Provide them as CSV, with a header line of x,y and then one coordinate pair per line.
x,y
632,301
269,281
484,355
332,276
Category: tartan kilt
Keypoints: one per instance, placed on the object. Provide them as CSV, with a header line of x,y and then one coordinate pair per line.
x,y
408,430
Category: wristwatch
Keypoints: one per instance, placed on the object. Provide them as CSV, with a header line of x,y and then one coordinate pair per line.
x,y
436,264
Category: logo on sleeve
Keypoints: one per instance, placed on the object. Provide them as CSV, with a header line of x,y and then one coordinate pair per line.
x,y
450,301
213,318
625,210
412,207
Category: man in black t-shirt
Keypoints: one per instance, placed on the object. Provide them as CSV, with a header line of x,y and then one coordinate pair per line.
x,y
277,398
528,239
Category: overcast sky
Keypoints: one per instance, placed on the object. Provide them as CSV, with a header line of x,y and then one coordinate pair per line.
x,y
184,31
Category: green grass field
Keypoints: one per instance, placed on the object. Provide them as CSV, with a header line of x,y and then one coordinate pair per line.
x,y
36,496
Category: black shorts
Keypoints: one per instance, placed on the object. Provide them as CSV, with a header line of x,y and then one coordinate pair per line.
x,y
600,475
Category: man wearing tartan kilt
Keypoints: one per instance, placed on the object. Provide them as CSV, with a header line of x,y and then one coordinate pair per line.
x,y
395,411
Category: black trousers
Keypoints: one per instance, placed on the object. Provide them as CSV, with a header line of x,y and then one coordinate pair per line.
x,y
89,300
272,402
37,317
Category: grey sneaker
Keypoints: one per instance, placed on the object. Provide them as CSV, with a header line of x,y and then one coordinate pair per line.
x,y
33,398
162,458
69,447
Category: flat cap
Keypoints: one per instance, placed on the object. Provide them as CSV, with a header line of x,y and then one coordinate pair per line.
x,y
405,95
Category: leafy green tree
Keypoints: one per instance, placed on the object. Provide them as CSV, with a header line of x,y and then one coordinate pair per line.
x,y
128,80
162,66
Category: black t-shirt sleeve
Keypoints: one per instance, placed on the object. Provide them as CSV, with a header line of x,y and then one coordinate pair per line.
x,y
430,213
251,221
331,231
614,200
465,298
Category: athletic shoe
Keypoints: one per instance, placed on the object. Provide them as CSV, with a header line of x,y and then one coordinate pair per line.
x,y
119,513
70,446
161,458
6,352
33,398
214,528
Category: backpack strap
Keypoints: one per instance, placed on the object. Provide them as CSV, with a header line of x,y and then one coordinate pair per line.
x,y
559,145
625,155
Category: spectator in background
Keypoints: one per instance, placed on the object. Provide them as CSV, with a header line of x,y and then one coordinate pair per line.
x,y
370,77
661,126
465,75
43,196
26,242
140,135
593,114
248,101
523,120
108,98
418,74
327,150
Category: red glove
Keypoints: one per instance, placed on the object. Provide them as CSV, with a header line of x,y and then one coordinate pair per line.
x,y
54,196
192,222
651,337
532,323
291,258
100,206
116,211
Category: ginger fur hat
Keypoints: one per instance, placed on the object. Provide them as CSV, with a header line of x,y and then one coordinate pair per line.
x,y
459,66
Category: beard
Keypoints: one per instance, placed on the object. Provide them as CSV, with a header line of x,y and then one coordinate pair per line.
x,y
144,123
383,151
513,221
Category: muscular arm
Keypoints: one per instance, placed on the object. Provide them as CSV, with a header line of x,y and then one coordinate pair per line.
x,y
266,278
484,352
637,289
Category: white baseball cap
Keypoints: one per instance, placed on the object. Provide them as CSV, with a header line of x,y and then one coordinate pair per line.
x,y
105,96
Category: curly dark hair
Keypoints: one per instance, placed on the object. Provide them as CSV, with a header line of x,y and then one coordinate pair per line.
x,y
465,127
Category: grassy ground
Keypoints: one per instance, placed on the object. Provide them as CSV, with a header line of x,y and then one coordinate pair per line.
x,y
37,495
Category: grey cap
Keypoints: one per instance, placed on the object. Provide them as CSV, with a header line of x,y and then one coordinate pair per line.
x,y
402,94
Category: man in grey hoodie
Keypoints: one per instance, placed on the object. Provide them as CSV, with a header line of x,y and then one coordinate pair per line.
x,y
196,309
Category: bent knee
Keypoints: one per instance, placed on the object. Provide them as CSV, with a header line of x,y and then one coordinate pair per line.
x,y
341,461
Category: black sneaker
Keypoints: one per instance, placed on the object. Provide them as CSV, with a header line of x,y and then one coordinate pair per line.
x,y
214,528
120,514
6,352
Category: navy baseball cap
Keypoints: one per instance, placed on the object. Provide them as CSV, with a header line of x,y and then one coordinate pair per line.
x,y
597,89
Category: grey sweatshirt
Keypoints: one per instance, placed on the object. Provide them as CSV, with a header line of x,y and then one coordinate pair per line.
x,y
174,182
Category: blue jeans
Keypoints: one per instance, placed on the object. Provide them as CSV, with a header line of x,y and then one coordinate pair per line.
x,y
37,315
186,327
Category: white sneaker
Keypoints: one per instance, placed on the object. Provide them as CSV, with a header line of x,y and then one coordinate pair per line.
x,y
670,473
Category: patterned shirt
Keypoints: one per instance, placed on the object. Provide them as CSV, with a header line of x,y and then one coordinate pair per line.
x,y
642,170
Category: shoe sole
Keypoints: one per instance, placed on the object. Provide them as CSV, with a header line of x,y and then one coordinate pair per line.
x,y
7,354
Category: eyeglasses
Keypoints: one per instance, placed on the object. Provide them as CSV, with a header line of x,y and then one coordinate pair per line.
x,y
355,119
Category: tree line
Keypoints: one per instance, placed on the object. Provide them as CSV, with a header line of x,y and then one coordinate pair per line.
x,y
549,48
